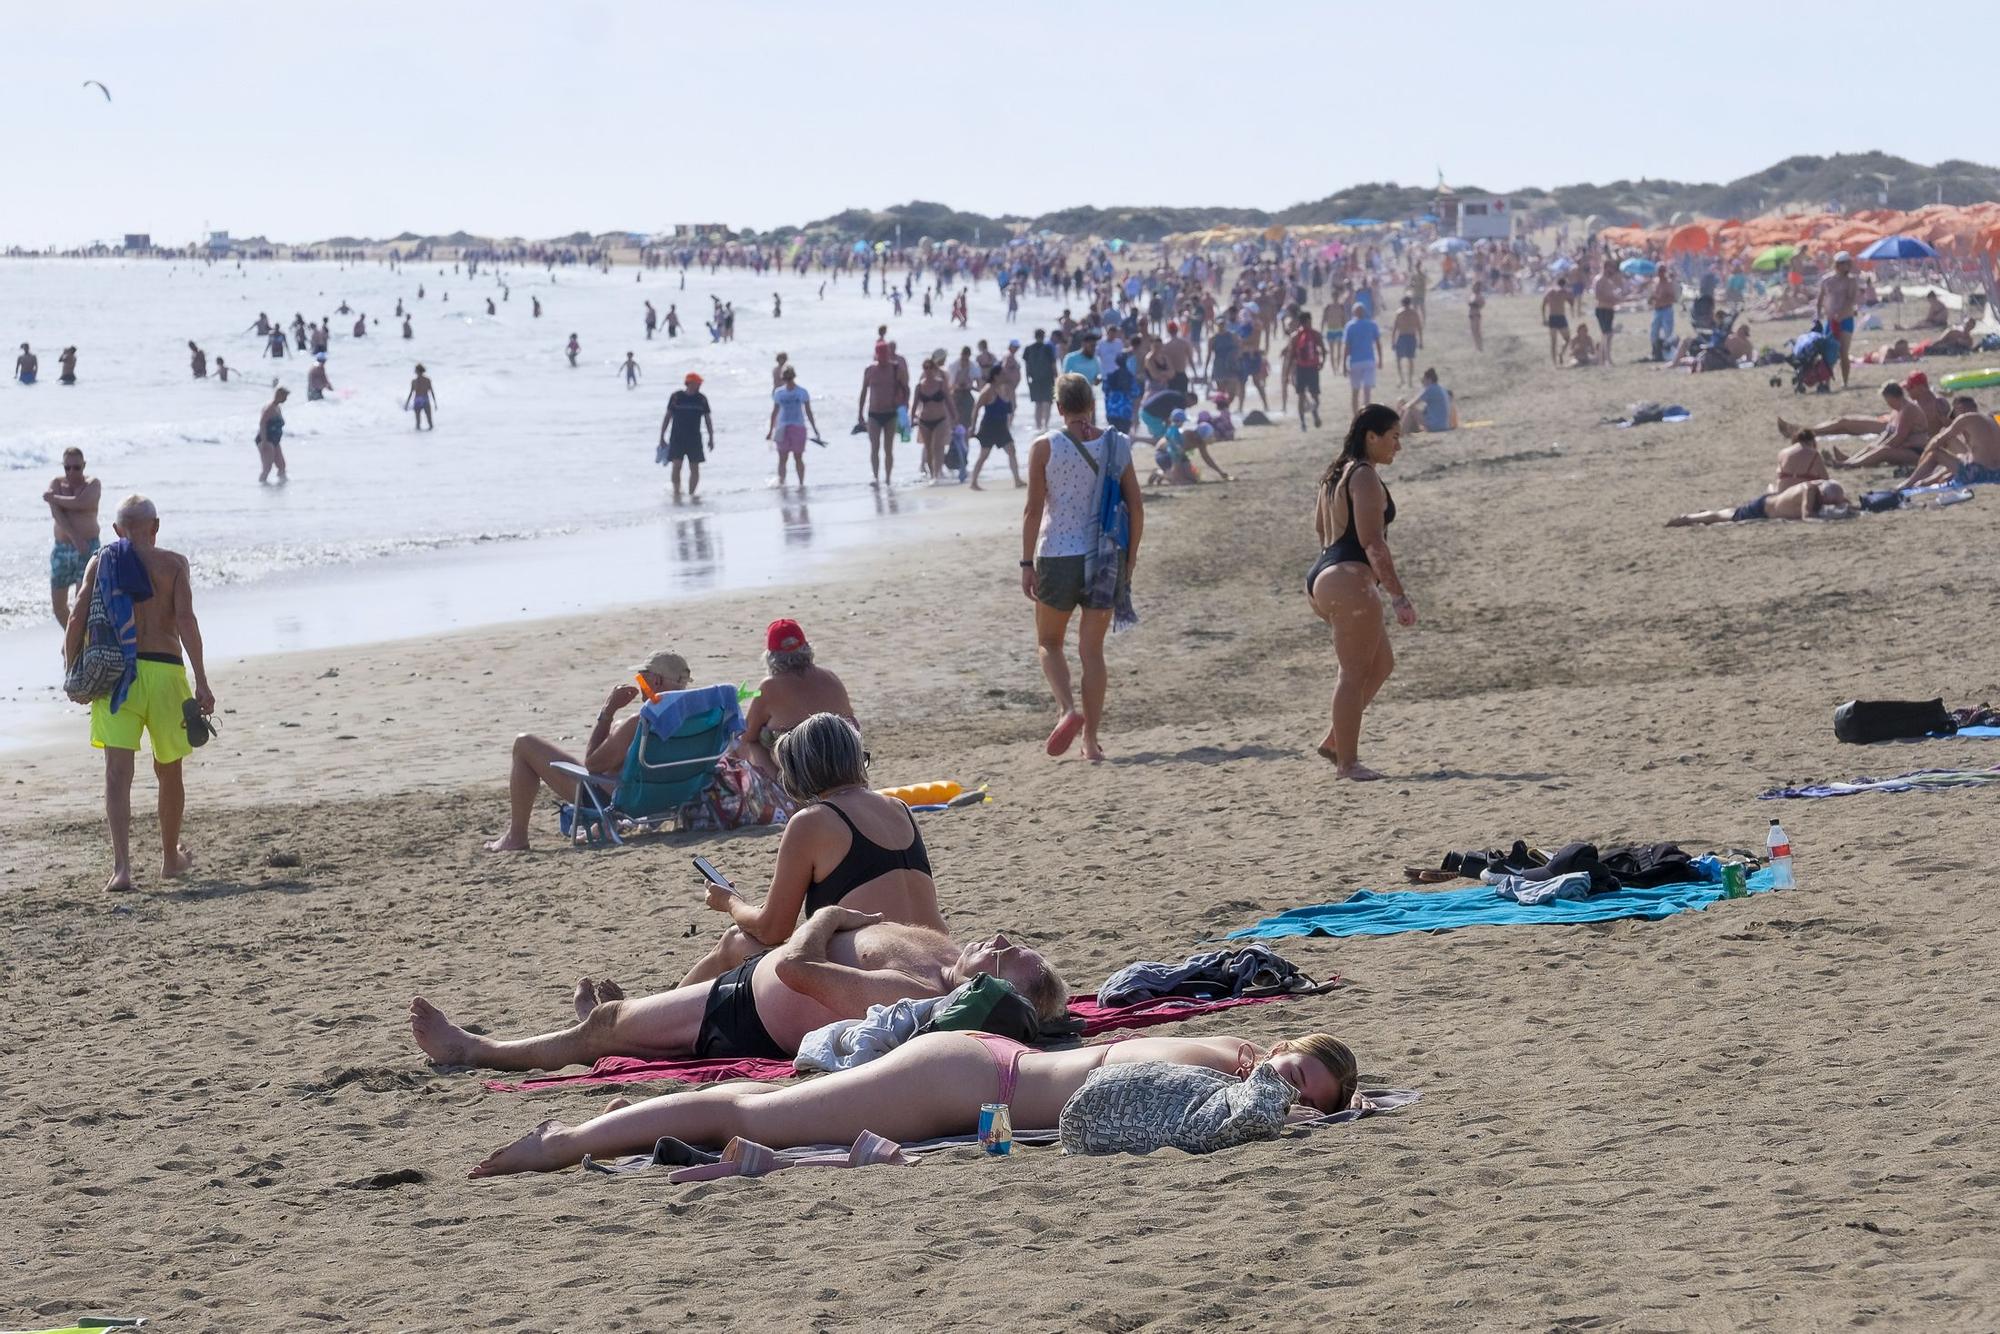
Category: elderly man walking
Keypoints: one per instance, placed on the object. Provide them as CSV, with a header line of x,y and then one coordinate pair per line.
x,y
153,696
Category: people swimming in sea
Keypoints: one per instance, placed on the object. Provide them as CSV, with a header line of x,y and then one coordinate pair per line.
x,y
421,400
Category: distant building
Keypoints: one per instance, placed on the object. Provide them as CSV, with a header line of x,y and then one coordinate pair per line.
x,y
1476,218
699,231
138,240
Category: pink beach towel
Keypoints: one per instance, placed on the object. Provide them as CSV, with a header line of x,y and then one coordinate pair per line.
x,y
631,1070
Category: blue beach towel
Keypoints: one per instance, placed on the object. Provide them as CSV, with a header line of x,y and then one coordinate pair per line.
x,y
121,581
1925,780
666,715
1369,912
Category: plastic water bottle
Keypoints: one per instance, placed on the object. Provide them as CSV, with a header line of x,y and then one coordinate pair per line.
x,y
1779,843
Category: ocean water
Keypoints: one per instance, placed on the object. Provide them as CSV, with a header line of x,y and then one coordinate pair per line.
x,y
537,495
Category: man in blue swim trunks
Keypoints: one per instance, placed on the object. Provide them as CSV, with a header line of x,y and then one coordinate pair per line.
x,y
1804,500
27,366
1839,302
72,499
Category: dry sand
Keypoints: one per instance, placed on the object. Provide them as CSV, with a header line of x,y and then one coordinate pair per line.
x,y
1773,1114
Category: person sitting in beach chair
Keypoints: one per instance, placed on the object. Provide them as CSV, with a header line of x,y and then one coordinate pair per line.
x,y
1803,500
933,1085
847,846
793,689
1964,453
835,966
535,759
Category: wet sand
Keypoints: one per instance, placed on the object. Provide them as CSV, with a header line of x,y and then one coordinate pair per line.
x,y
1773,1114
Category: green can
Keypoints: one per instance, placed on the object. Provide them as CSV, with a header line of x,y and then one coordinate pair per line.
x,y
1735,880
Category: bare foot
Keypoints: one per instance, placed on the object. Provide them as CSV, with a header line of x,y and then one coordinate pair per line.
x,y
585,997
1092,751
120,881
616,1104
507,843
607,990
1360,773
442,1040
1786,429
1327,754
1678,521
182,863
977,487
537,1151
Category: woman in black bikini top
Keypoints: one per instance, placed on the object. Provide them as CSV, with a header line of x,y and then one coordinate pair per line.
x,y
1342,584
824,858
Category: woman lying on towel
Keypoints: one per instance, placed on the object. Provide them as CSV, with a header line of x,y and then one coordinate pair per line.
x,y
931,1086
847,846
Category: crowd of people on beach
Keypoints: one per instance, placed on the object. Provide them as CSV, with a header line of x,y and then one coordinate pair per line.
x,y
851,919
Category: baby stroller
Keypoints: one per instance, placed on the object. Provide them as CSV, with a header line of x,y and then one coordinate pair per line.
x,y
1814,355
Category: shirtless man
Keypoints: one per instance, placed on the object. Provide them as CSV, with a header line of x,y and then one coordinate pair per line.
x,y
794,690
317,384
1555,315
198,359
1406,337
885,387
1663,298
1798,462
1839,301
652,321
27,366
834,966
153,699
1937,412
1801,500
361,325
72,500
1897,439
1181,356
1965,453
421,399
1608,292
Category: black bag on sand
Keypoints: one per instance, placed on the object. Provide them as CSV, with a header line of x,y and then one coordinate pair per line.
x,y
1862,721
1878,502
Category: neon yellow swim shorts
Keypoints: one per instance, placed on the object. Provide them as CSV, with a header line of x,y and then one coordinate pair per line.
x,y
152,706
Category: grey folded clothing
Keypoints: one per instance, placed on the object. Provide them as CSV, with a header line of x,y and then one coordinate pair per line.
x,y
1150,1105
1243,970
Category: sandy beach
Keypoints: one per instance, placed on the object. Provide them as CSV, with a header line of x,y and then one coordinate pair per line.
x,y
1775,1114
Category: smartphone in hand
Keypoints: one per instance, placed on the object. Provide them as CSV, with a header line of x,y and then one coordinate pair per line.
x,y
713,876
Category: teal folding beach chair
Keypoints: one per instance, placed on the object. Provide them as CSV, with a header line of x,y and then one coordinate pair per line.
x,y
682,737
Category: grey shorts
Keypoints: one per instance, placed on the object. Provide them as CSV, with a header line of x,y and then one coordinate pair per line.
x,y
1059,584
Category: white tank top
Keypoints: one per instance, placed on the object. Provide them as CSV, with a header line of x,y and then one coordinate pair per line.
x,y
1069,524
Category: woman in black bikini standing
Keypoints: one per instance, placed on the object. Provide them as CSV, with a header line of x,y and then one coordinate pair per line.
x,y
1352,516
933,411
848,846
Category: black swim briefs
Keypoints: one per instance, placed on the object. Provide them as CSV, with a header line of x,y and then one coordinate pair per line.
x,y
730,1025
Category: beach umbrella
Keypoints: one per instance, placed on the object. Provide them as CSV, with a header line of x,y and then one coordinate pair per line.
x,y
1689,240
1771,257
1445,245
1898,247
860,247
1636,267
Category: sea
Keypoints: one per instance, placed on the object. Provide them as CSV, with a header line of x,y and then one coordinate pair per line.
x,y
537,495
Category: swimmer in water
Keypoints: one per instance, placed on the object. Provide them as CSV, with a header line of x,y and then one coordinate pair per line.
x,y
222,370
406,328
422,398
571,351
270,437
631,369
316,382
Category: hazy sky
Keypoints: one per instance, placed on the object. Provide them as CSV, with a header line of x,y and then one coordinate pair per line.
x,y
306,121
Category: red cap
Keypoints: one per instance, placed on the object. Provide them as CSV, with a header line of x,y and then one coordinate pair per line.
x,y
784,636
1916,380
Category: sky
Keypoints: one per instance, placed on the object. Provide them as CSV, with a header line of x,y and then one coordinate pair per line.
x,y
301,122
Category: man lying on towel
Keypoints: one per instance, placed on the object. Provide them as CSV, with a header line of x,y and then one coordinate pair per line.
x,y
1802,500
835,966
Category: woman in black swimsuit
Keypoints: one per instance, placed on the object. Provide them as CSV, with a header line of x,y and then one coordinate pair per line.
x,y
934,417
847,846
1353,514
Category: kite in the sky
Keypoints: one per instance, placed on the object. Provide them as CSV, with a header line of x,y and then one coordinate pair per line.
x,y
92,83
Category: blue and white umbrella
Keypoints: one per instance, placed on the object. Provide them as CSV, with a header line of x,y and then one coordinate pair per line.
x,y
1446,245
1636,267
1898,247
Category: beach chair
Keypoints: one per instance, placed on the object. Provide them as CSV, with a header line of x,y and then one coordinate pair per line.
x,y
681,737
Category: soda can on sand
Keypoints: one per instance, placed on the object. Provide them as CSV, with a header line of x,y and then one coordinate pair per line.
x,y
996,1129
1735,880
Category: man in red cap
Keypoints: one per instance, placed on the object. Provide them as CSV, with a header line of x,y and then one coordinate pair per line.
x,y
885,390
793,690
1936,411
680,433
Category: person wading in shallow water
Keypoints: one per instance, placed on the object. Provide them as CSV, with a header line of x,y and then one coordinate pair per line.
x,y
1352,515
